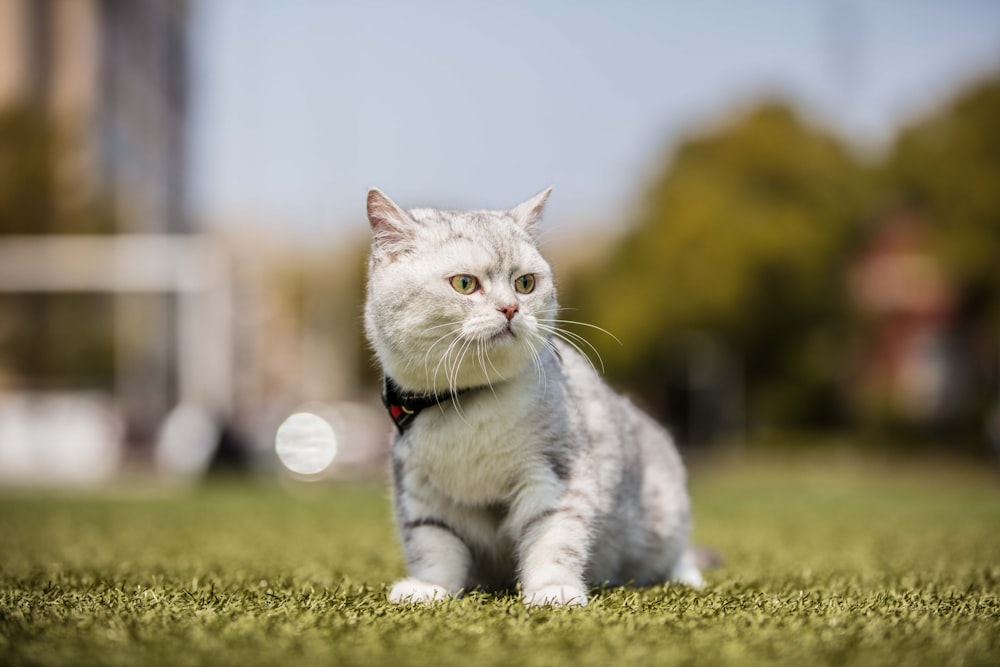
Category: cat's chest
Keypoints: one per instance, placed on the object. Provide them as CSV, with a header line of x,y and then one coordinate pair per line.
x,y
478,457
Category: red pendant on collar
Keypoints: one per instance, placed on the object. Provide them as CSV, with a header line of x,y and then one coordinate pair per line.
x,y
404,407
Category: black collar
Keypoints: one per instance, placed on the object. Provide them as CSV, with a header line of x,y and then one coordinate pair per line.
x,y
404,407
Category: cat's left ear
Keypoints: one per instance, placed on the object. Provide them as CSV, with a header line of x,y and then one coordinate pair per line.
x,y
391,225
527,214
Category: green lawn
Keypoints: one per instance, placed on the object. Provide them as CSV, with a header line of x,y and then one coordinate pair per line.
x,y
826,563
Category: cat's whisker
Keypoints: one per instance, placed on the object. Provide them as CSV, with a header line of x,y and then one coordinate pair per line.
x,y
600,360
575,336
444,361
448,371
458,408
566,334
453,379
552,346
451,363
553,231
456,367
532,334
483,356
456,404
555,309
500,376
445,324
568,338
451,368
585,324
457,330
450,332
536,361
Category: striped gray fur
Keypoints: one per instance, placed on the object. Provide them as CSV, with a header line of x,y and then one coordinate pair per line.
x,y
538,474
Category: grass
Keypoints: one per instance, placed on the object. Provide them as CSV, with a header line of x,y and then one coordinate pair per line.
x,y
826,563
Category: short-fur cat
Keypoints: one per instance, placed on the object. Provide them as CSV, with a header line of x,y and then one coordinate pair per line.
x,y
514,462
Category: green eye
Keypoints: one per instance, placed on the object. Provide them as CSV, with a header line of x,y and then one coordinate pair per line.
x,y
525,284
464,284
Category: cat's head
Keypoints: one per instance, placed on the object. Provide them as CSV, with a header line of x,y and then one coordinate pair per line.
x,y
456,299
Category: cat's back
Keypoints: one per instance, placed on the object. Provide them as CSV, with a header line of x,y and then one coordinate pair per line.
x,y
630,464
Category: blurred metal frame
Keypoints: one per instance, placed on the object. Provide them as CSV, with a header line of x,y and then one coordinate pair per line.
x,y
195,269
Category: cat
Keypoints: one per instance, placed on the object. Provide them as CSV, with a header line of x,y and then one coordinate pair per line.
x,y
513,463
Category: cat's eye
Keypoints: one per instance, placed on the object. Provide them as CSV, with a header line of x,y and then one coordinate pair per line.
x,y
525,284
464,284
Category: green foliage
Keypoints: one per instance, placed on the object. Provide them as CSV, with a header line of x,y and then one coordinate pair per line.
x,y
740,237
948,165
39,193
947,169
825,564
27,172
742,245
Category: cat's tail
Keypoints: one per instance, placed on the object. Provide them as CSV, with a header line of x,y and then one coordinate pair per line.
x,y
705,558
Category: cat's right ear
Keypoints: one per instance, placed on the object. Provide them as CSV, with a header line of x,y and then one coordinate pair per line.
x,y
528,213
391,225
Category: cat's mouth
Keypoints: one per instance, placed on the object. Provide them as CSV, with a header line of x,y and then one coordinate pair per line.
x,y
507,333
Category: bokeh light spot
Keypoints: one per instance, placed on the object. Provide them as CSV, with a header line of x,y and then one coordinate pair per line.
x,y
306,443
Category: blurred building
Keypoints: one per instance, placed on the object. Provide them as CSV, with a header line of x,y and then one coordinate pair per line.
x,y
111,78
113,74
212,338
908,366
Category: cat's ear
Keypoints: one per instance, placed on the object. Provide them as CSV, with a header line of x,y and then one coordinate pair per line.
x,y
527,214
391,225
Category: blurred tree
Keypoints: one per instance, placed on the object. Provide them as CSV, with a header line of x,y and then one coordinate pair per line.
x,y
948,165
49,340
738,242
37,194
947,168
27,172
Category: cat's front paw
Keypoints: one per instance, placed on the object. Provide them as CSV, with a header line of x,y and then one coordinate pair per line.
x,y
414,591
556,596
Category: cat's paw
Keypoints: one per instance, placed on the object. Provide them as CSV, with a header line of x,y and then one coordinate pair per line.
x,y
556,596
690,577
414,591
686,571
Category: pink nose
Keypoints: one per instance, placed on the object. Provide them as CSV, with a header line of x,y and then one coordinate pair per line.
x,y
508,311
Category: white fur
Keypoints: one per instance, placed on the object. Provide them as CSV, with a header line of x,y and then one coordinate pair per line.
x,y
414,591
557,595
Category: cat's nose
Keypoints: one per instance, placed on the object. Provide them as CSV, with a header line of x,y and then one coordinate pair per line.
x,y
508,311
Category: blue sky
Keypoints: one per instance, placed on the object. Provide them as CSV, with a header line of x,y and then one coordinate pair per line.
x,y
299,106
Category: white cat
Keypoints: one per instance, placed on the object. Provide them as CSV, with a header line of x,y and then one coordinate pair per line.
x,y
513,462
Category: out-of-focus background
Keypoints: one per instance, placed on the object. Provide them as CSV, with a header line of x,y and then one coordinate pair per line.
x,y
788,212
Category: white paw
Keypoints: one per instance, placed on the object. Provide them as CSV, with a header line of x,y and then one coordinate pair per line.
x,y
689,576
556,596
414,591
686,570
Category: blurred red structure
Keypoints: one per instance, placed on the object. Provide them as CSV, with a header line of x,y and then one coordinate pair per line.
x,y
907,364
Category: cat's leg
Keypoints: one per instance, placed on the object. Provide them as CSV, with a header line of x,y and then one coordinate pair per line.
x,y
437,559
437,556
553,549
